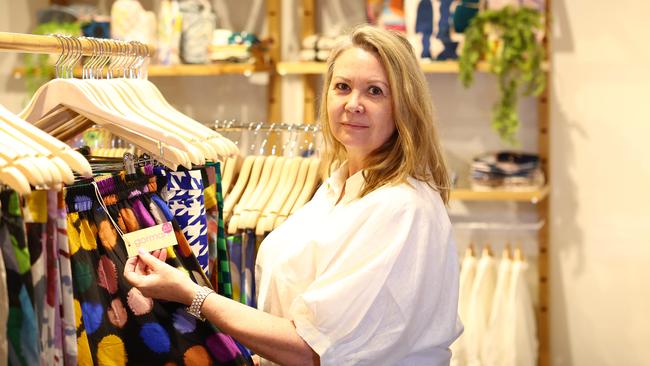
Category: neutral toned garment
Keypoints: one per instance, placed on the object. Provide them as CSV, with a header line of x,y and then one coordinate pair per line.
x,y
480,305
523,335
467,275
495,345
370,280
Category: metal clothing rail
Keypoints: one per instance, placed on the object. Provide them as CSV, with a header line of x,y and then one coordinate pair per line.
x,y
30,43
261,126
499,226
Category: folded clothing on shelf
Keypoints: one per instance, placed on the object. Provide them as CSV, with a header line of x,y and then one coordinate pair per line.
x,y
506,170
232,46
317,47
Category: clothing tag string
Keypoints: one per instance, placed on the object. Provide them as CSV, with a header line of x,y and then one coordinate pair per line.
x,y
101,202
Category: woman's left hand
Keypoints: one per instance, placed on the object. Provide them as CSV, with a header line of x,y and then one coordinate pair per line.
x,y
158,280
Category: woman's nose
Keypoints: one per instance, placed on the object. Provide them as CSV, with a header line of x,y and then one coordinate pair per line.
x,y
354,105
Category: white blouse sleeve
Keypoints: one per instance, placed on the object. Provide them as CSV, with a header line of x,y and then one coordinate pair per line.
x,y
390,291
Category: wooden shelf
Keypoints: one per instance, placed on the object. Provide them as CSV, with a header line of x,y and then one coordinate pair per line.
x,y
207,69
188,70
312,67
516,196
435,67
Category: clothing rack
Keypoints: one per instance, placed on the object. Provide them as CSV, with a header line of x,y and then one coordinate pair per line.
x,y
30,43
499,226
233,125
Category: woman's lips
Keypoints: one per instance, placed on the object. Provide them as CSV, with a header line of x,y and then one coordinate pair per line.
x,y
353,125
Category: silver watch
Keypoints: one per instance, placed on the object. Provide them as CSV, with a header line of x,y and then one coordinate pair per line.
x,y
195,308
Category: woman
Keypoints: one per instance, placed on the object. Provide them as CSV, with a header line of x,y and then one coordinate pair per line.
x,y
366,272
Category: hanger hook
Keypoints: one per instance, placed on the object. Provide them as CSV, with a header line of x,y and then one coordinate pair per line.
x,y
78,55
88,66
59,60
113,58
69,55
106,59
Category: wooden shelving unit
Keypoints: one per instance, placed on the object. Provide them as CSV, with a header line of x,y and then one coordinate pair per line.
x,y
317,68
207,70
536,196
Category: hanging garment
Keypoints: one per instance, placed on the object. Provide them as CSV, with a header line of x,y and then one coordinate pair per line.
x,y
4,307
219,273
248,268
212,219
184,194
467,275
67,309
480,304
234,243
116,324
22,328
35,218
523,337
52,340
225,280
495,346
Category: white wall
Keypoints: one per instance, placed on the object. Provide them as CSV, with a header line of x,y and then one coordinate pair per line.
x,y
600,202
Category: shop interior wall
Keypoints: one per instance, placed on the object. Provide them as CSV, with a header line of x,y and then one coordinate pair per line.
x,y
600,203
599,132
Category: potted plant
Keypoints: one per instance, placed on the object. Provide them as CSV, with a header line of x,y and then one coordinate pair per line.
x,y
508,40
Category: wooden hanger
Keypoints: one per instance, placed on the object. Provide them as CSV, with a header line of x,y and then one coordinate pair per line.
x,y
311,183
256,172
125,102
518,254
230,167
506,254
469,251
487,250
152,103
301,178
75,97
13,178
256,206
288,178
246,205
224,147
112,100
238,189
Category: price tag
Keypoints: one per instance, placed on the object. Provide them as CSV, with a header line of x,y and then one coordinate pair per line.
x,y
150,239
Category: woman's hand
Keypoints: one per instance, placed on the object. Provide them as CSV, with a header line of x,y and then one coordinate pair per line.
x,y
158,280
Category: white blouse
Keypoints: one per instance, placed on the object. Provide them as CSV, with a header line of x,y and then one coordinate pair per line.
x,y
366,281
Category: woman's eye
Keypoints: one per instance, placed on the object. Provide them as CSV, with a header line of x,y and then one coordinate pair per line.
x,y
341,86
375,90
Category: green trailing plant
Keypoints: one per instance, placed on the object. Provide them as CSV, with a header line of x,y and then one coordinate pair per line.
x,y
507,40
39,68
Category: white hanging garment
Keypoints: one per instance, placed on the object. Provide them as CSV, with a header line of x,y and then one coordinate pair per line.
x,y
523,335
480,305
467,275
495,346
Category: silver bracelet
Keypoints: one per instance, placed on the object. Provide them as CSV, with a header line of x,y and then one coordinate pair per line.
x,y
195,308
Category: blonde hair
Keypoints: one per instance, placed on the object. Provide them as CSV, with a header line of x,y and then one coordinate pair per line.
x,y
414,149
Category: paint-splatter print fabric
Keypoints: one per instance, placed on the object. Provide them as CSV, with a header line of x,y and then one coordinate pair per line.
x,y
115,323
